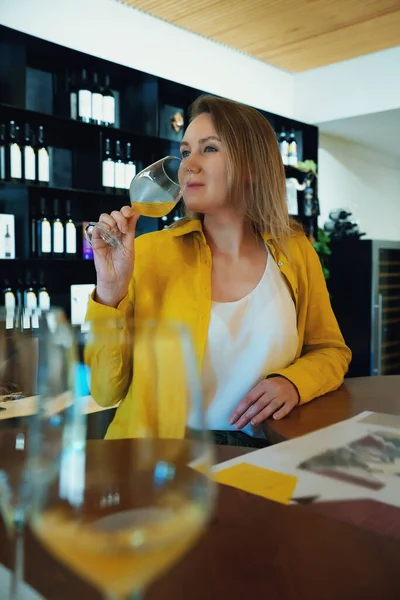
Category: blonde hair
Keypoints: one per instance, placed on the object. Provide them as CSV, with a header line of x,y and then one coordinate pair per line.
x,y
256,173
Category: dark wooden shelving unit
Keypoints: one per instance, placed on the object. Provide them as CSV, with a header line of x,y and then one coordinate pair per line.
x,y
34,88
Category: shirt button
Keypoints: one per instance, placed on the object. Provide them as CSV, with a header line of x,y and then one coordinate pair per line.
x,y
280,263
297,290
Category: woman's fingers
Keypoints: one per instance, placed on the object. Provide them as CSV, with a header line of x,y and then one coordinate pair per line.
x,y
264,405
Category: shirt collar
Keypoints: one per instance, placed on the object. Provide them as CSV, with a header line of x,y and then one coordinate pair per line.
x,y
195,225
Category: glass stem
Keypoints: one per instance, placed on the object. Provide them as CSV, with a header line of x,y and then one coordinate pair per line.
x,y
17,575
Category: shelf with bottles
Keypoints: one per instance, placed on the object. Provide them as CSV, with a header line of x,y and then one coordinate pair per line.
x,y
49,78
38,284
30,159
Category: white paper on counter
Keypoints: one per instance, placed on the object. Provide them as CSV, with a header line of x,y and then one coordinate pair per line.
x,y
285,457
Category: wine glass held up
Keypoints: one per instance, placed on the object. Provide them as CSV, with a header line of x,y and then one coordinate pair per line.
x,y
153,192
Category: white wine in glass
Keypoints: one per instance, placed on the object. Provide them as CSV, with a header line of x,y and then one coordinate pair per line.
x,y
132,514
153,192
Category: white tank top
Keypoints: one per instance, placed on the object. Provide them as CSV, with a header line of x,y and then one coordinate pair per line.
x,y
247,340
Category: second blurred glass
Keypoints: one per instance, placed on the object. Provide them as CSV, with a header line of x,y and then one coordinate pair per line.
x,y
37,366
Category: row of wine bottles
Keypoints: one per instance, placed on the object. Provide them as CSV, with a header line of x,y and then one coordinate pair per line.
x,y
24,155
53,236
91,102
288,147
28,294
118,168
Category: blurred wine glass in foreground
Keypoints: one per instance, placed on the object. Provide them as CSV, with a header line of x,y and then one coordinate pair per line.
x,y
134,509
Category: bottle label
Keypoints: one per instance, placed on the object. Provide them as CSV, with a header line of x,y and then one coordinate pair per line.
x,y
26,321
15,162
43,165
291,197
7,247
119,175
284,148
85,104
70,238
97,107
2,162
108,110
30,299
30,163
73,105
9,300
46,237
44,300
58,237
292,159
108,173
130,172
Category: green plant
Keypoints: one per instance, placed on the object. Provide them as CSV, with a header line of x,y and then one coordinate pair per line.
x,y
308,166
322,248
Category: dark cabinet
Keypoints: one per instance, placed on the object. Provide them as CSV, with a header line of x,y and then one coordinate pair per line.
x,y
365,295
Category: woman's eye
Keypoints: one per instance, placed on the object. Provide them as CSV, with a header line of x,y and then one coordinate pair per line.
x,y
210,149
185,153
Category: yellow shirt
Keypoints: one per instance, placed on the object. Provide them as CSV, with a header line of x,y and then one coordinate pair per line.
x,y
172,280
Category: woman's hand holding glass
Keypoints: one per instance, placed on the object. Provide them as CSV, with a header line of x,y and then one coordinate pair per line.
x,y
114,263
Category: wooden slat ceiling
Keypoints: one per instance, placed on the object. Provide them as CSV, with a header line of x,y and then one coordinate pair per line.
x,y
293,35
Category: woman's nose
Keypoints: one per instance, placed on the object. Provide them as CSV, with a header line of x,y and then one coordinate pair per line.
x,y
191,165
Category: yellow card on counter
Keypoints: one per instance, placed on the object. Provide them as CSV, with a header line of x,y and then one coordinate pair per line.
x,y
256,480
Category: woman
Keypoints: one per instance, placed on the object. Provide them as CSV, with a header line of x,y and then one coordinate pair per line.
x,y
237,271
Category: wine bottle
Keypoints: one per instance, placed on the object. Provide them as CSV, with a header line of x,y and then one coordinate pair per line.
x,y
97,102
7,244
30,298
70,232
130,167
43,163
43,240
108,117
2,152
9,299
308,196
57,231
14,153
19,293
119,167
108,168
34,226
292,149
29,158
84,99
73,97
43,294
284,146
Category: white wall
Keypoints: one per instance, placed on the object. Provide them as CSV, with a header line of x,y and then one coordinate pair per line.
x,y
366,182
116,32
359,86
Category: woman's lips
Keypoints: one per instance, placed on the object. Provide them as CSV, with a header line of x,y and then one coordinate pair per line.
x,y
193,185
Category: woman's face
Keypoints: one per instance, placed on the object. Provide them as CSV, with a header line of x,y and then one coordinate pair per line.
x,y
203,174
